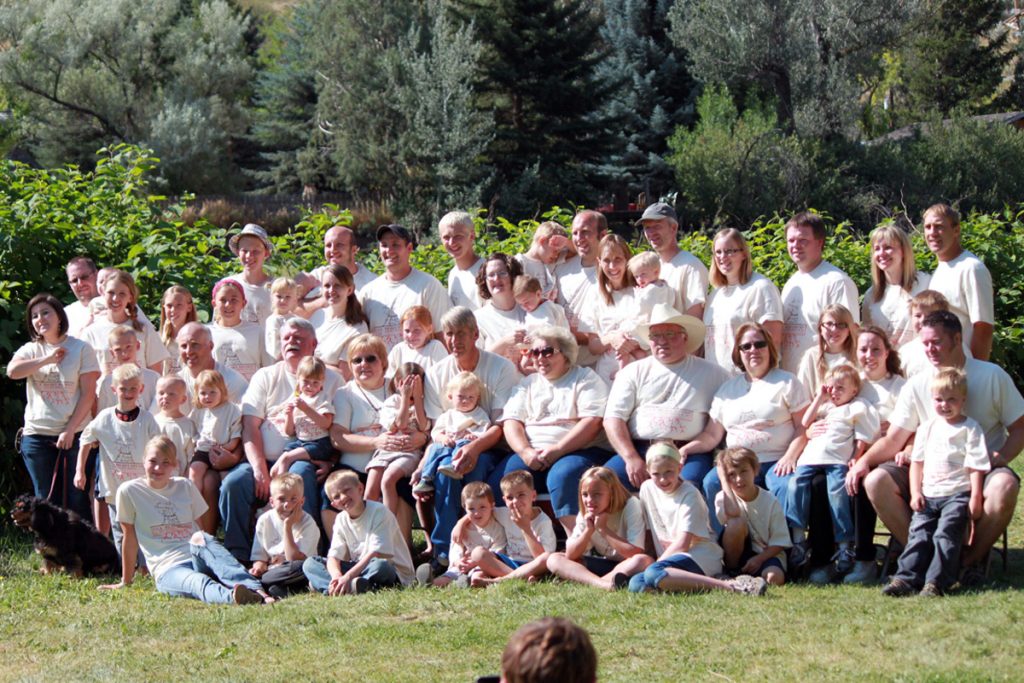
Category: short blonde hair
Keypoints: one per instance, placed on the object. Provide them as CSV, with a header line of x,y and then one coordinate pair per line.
x,y
929,300
121,331
368,342
516,478
210,378
125,373
282,284
734,457
950,379
477,489
549,229
311,367
163,444
289,481
172,380
341,478
645,259
844,371
526,284
464,380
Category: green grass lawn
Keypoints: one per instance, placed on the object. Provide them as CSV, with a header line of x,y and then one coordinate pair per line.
x,y
56,628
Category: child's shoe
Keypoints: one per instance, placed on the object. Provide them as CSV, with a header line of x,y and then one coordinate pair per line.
x,y
799,554
424,485
898,588
749,585
843,560
931,590
450,472
358,586
864,572
424,574
240,595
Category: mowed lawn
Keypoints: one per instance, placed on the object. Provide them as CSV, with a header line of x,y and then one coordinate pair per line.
x,y
60,629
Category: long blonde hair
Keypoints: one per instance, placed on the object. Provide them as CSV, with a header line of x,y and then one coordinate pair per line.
x,y
168,331
841,314
612,241
892,234
618,496
131,309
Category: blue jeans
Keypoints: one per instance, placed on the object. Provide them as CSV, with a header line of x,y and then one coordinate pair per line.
x,y
695,468
448,498
436,453
42,459
378,571
209,577
932,553
653,576
765,478
238,497
562,479
798,508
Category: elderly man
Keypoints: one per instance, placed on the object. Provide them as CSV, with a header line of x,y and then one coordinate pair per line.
x,y
815,285
457,233
340,248
685,273
664,396
475,461
400,287
577,277
81,272
195,345
264,440
992,400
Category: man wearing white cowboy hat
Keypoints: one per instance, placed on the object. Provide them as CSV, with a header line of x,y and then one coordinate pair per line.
x,y
664,396
252,247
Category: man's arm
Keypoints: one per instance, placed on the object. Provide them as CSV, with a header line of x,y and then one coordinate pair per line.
x,y
252,443
981,340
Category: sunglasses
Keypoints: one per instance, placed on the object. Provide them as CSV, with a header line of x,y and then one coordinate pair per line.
x,y
546,352
753,345
364,359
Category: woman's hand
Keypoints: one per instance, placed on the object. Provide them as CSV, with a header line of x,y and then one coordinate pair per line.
x,y
532,457
785,466
57,356
65,439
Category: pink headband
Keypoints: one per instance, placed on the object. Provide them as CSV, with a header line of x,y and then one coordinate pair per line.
x,y
227,282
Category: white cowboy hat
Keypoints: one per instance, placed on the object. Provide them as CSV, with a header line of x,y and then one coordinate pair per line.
x,y
663,314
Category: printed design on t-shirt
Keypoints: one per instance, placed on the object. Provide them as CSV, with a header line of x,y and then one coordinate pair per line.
x,y
233,360
750,430
794,325
249,313
390,330
123,460
305,428
52,388
171,528
655,421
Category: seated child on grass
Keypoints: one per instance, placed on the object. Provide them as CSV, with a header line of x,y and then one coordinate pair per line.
x,y
529,536
157,514
607,545
754,534
285,536
688,559
477,529
368,551
947,478
457,426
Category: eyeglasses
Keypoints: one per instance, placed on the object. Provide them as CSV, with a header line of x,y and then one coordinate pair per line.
x,y
753,345
727,252
663,336
364,359
546,352
835,326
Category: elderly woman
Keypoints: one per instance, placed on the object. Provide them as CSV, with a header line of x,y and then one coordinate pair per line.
x,y
60,391
760,409
553,421
357,431
740,295
500,317
894,282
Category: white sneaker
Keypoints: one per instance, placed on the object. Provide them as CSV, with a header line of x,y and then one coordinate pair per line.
x,y
864,572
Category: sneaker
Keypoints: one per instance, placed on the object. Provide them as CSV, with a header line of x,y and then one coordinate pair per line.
x,y
424,485
864,572
358,586
898,588
620,581
844,560
821,576
931,590
461,581
425,574
450,472
749,585
240,595
799,555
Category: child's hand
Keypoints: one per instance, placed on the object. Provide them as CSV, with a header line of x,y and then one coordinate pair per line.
x,y
259,568
752,567
80,481
416,388
449,441
601,522
520,519
590,519
338,585
464,565
112,586
917,502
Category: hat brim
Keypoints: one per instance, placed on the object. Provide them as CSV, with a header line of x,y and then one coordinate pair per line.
x,y
694,328
233,242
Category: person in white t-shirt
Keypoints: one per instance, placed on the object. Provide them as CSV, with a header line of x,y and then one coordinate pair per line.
x,y
993,401
124,348
195,348
171,396
457,232
962,278
895,280
341,319
218,439
500,321
815,285
238,344
283,291
252,246
684,272
616,315
81,272
419,343
121,297
539,311
912,354
836,344
549,247
176,310
477,532
740,295
285,536
577,277
400,287
340,249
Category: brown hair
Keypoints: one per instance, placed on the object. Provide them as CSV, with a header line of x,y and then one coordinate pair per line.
x,y
477,489
51,301
613,241
893,364
353,309
734,457
549,649
808,219
737,356
132,307
516,478
512,265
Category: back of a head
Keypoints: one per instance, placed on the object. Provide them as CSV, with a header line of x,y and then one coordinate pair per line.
x,y
550,650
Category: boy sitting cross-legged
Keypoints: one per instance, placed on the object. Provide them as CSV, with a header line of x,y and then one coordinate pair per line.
x,y
285,536
478,528
367,550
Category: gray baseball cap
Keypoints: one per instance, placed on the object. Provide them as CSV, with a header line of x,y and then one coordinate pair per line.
x,y
399,231
658,211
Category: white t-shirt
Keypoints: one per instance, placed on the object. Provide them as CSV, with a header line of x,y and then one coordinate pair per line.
x,y
627,523
241,348
495,324
391,410
515,545
259,302
992,400
688,277
538,269
967,285
151,347
333,337
268,543
498,375
271,387
657,292
732,305
892,312
374,531
670,515
164,520
237,385
766,522
947,452
882,394
459,425
122,447
53,391
272,334
217,425
172,366
576,289
803,299
808,373
622,315
853,420
358,410
548,313
462,289
385,301
759,415
661,401
489,537
105,397
550,409
305,428
182,431
78,317
432,352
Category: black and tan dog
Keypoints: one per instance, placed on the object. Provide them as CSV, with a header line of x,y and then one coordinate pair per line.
x,y
65,540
